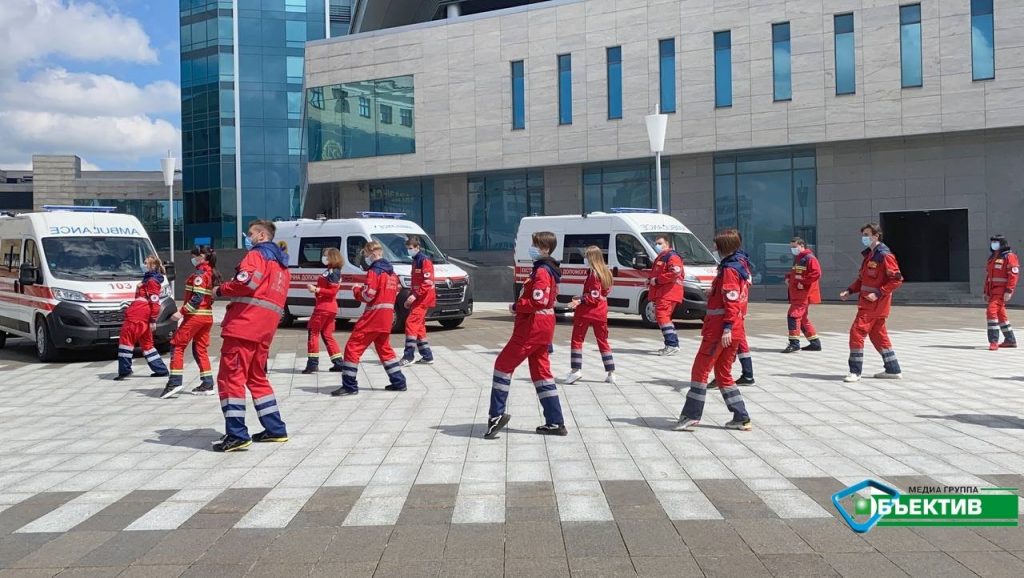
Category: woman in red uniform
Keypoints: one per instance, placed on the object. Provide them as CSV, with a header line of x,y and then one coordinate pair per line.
x,y
592,311
139,322
197,313
723,331
321,322
1002,272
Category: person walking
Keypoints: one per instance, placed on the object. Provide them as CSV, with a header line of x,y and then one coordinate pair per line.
x,y
742,348
257,293
722,332
325,310
374,326
878,278
666,290
422,297
802,286
1001,275
197,313
591,311
140,321
532,334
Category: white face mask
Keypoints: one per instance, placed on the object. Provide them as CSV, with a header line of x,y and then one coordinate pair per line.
x,y
196,261
794,250
412,251
659,247
323,259
995,245
534,253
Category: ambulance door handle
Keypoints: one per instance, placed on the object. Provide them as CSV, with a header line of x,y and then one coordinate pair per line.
x,y
615,271
17,286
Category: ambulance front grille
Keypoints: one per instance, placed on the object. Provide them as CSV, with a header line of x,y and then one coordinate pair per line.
x,y
109,317
453,295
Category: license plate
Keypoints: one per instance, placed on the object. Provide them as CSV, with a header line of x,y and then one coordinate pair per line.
x,y
449,310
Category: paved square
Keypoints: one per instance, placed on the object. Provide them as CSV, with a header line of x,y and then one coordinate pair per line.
x,y
102,477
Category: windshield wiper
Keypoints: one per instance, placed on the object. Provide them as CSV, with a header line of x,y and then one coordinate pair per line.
x,y
71,273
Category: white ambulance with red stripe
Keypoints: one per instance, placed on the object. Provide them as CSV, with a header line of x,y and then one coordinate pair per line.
x,y
68,274
626,237
304,241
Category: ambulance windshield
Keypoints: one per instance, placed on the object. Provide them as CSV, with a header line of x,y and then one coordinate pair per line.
x,y
394,248
688,246
79,258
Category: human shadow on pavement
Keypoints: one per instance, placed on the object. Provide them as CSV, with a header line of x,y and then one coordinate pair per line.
x,y
675,384
988,420
818,376
650,352
962,347
654,422
465,430
200,439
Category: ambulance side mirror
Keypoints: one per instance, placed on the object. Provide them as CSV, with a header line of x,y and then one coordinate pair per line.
x,y
169,268
641,261
27,274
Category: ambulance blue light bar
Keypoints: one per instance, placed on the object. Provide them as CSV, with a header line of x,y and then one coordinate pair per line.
x,y
78,208
380,215
632,210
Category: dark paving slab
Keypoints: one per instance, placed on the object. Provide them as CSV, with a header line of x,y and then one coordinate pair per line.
x,y
533,540
473,541
358,544
32,573
930,564
415,543
429,504
820,490
239,546
868,565
711,537
955,539
1007,538
33,508
651,538
14,547
104,572
991,563
124,549
734,499
227,509
538,567
327,507
824,535
64,550
153,571
888,540
654,567
346,569
181,547
298,546
601,568
593,540
478,568
732,565
797,565
770,537
407,569
277,570
632,500
530,502
217,571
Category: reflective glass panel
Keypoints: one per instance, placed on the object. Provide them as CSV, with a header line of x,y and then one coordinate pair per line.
x,y
910,45
982,40
846,60
667,74
723,69
782,75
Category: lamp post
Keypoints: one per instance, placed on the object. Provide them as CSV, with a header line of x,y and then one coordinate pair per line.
x,y
657,125
167,164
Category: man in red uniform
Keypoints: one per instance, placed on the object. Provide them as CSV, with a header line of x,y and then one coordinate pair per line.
x,y
1001,274
197,313
666,282
879,276
374,327
531,336
257,294
722,332
140,320
802,283
420,300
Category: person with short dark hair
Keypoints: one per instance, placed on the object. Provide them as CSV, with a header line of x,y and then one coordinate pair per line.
x,y
531,336
1001,274
722,332
421,298
802,286
878,278
197,315
666,290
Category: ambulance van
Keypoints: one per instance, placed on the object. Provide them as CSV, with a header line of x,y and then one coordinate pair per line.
x,y
305,240
626,237
68,274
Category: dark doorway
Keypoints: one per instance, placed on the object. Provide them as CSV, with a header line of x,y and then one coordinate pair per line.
x,y
932,246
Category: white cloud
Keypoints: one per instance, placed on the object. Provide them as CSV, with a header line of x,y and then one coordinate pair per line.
x,y
84,93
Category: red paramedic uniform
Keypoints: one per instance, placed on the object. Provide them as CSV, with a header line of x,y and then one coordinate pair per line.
x,y
803,282
321,322
879,275
666,281
143,311
1001,274
258,293
423,296
374,327
592,312
197,313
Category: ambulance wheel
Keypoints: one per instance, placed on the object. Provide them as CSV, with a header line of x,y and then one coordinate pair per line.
x,y
3,339
164,348
287,319
451,323
398,321
647,313
45,348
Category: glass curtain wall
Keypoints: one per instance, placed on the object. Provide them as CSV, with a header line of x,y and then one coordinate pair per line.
x,y
414,197
151,213
497,201
624,184
357,119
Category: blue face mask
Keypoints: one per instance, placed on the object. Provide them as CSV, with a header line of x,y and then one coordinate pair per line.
x,y
248,243
794,250
659,247
534,253
866,241
412,252
196,261
995,245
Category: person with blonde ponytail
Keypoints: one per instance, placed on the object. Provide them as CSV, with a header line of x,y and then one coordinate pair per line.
x,y
591,311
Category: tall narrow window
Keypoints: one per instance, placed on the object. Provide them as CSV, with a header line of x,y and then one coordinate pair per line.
x,y
518,95
614,54
564,89
723,69
846,60
781,69
667,73
910,45
983,42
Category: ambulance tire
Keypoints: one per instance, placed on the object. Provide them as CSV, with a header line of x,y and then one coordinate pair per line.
x,y
287,320
647,315
3,339
164,348
342,324
451,323
45,348
398,321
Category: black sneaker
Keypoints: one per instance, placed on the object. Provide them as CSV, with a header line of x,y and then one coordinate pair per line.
x,y
204,389
341,391
549,429
159,374
230,444
744,380
171,391
266,437
309,370
424,361
793,347
335,369
395,388
495,425
122,377
712,383
814,345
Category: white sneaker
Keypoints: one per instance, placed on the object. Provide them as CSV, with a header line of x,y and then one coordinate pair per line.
x,y
610,378
686,424
886,375
669,350
573,376
851,378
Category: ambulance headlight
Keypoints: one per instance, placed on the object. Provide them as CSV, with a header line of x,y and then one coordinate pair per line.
x,y
405,281
691,277
68,295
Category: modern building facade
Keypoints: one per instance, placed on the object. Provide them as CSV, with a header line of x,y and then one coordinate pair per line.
x,y
241,108
60,180
786,117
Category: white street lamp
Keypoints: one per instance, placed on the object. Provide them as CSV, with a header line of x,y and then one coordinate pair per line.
x,y
657,125
167,164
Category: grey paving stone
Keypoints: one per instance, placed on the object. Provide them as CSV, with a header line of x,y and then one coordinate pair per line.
x,y
358,544
298,546
593,540
234,501
530,502
632,500
732,565
63,551
656,567
538,567
824,535
471,541
651,538
733,499
277,570
1007,538
770,537
711,537
477,568
320,519
408,569
181,547
797,565
867,565
820,490
14,547
533,540
122,550
30,573
346,569
888,540
601,567
332,499
933,563
117,516
956,539
412,543
153,571
95,572
239,546
991,563
33,508
217,571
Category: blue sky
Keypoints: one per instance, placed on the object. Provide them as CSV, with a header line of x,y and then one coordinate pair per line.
x,y
96,78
